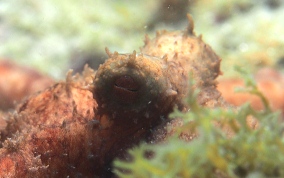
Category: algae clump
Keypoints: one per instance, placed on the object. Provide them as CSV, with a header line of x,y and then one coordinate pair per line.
x,y
248,152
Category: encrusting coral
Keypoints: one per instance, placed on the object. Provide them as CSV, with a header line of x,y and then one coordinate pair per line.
x,y
77,127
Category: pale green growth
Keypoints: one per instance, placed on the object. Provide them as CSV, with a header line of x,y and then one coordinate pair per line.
x,y
248,153
45,34
248,33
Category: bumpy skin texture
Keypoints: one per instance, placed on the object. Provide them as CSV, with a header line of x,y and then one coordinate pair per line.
x,y
60,134
187,54
161,72
76,128
153,96
55,127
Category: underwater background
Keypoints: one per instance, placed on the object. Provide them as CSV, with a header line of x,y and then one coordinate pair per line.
x,y
54,36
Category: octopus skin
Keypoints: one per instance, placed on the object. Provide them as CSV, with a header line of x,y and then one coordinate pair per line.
x,y
160,74
187,56
77,127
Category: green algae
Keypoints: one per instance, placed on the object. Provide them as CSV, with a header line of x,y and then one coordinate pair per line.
x,y
257,152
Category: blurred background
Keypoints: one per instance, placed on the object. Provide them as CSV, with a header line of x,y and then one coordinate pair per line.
x,y
53,36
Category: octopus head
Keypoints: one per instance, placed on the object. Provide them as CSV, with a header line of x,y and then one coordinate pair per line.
x,y
131,84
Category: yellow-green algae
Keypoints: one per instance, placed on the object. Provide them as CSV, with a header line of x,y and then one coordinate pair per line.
x,y
247,33
248,153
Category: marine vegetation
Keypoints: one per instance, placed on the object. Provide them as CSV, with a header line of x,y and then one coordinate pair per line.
x,y
54,36
77,127
232,143
236,29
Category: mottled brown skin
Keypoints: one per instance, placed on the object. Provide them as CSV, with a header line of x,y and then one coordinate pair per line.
x,y
146,95
187,53
60,128
76,128
57,126
158,76
17,82
187,56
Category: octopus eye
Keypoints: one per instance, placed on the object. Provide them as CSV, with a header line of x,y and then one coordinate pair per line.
x,y
126,89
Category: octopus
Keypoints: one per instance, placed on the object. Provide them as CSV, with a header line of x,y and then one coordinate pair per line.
x,y
76,128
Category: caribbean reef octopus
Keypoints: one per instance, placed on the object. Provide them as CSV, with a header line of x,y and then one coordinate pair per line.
x,y
77,127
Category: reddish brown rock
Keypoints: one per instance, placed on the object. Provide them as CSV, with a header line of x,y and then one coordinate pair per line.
x,y
17,82
269,82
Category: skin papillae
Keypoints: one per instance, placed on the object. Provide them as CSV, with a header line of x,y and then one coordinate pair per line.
x,y
77,127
